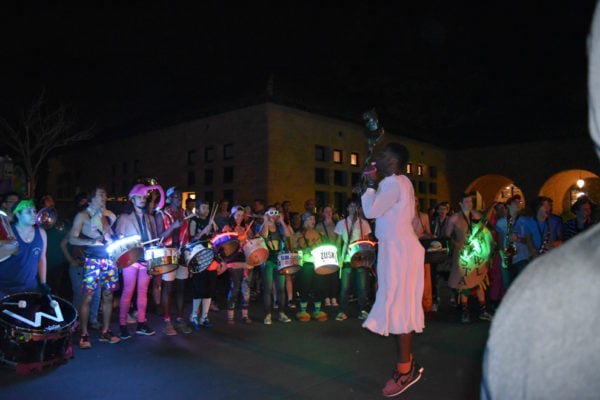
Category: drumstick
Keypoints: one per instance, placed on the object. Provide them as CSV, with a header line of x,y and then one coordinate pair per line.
x,y
20,303
150,241
192,215
248,228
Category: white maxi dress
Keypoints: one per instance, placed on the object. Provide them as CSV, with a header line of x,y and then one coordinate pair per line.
x,y
398,302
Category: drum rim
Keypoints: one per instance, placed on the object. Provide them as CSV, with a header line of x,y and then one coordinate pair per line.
x,y
39,330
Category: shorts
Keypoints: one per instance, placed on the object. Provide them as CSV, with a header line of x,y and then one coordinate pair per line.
x,y
182,272
99,271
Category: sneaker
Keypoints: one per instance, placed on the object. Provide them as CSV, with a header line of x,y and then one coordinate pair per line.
x,y
182,326
144,329
124,333
291,305
267,320
334,302
485,316
327,302
84,342
465,318
284,318
168,329
195,324
246,320
363,315
108,337
206,323
400,382
341,316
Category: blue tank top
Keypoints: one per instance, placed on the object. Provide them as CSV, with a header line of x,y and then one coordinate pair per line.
x,y
18,273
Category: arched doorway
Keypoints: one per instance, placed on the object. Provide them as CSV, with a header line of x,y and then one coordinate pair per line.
x,y
492,188
563,188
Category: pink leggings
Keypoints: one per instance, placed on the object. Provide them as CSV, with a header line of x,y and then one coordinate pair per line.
x,y
136,273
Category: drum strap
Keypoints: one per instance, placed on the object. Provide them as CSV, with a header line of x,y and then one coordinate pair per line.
x,y
143,228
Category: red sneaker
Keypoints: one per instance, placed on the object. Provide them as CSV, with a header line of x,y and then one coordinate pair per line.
x,y
400,382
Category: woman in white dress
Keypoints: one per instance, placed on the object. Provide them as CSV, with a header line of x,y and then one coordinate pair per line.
x,y
398,303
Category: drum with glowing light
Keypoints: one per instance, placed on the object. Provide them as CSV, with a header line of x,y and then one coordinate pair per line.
x,y
161,260
256,251
325,259
35,331
289,263
126,251
226,244
362,253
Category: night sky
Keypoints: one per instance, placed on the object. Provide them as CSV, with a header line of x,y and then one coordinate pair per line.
x,y
447,73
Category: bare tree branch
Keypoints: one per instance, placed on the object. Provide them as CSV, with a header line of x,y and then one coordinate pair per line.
x,y
42,131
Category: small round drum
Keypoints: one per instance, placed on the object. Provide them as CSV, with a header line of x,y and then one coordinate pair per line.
x,y
362,253
35,332
8,241
161,260
125,251
256,252
197,257
289,263
325,259
226,244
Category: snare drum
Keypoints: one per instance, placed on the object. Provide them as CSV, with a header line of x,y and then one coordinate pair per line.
x,y
8,241
289,263
34,332
226,244
256,252
325,259
197,257
161,260
362,253
125,251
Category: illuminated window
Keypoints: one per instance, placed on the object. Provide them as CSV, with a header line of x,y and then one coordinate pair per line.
x,y
408,168
420,170
354,159
337,156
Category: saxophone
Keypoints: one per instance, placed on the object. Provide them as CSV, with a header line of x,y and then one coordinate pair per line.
x,y
545,247
510,250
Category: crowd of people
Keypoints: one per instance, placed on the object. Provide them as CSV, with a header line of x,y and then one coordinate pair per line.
x,y
485,251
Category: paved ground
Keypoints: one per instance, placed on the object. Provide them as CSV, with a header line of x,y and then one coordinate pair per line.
x,y
314,360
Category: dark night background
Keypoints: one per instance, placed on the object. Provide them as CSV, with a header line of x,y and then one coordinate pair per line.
x,y
446,72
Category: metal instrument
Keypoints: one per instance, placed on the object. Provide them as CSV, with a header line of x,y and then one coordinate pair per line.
x,y
46,217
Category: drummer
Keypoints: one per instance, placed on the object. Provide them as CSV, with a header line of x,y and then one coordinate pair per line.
x,y
92,229
349,230
172,228
25,271
204,284
306,240
238,277
136,222
274,231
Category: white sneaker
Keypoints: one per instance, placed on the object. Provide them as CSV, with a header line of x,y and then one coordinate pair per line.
x,y
334,302
284,318
327,302
267,320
